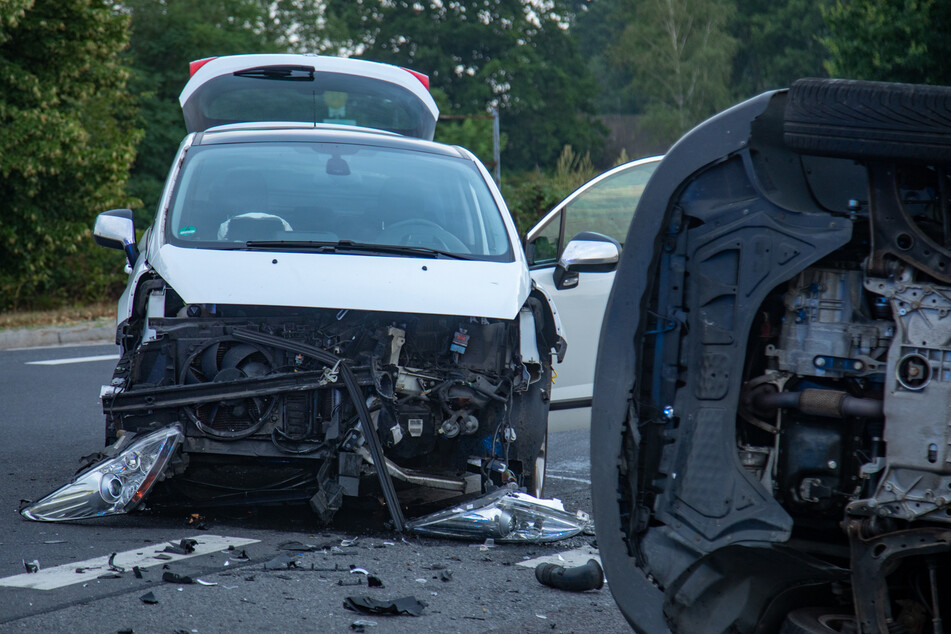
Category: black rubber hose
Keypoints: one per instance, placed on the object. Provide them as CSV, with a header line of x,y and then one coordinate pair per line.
x,y
590,576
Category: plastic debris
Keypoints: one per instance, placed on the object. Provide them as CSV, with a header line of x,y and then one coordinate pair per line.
x,y
184,547
590,576
171,577
149,598
31,566
374,582
202,582
137,572
110,575
404,605
360,625
112,564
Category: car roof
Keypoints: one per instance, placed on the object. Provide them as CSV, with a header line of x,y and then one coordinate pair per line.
x,y
292,132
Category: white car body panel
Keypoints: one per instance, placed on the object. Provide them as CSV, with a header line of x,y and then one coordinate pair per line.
x,y
581,310
353,282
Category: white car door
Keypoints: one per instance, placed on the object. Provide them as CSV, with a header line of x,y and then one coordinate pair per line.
x,y
604,205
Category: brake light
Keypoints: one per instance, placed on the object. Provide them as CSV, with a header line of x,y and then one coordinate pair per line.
x,y
424,79
198,63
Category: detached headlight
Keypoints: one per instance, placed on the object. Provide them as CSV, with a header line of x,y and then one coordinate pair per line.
x,y
505,516
113,486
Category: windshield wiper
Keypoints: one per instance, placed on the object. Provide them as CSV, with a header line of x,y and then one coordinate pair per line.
x,y
348,246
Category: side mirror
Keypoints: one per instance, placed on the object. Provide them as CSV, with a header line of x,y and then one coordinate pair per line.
x,y
115,229
588,252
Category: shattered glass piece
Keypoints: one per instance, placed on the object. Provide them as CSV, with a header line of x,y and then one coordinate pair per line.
x,y
360,625
283,562
116,485
505,515
404,605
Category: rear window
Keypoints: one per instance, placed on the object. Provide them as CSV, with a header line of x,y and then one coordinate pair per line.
x,y
230,194
298,93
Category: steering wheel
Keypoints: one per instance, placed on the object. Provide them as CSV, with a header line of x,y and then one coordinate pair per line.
x,y
423,233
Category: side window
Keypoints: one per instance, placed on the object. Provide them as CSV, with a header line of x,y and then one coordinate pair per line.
x,y
608,206
544,249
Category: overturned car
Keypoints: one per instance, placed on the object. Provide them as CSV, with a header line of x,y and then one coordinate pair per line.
x,y
321,310
771,446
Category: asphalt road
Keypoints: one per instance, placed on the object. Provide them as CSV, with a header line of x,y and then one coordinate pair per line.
x,y
50,416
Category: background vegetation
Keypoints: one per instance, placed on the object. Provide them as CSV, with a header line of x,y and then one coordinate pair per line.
x,y
89,114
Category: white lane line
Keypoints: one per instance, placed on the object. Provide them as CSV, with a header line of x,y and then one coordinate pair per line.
x,y
99,357
69,574
558,477
568,558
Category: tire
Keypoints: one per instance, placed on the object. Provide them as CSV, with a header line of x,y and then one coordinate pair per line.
x,y
869,120
819,621
530,420
534,480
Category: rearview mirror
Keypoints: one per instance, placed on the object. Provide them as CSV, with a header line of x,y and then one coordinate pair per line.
x,y
588,252
115,229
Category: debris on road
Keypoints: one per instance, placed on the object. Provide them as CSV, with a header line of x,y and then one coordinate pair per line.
x,y
590,576
184,547
171,577
504,515
31,566
148,598
404,605
360,625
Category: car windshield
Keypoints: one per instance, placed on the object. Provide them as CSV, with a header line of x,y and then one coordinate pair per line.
x,y
339,197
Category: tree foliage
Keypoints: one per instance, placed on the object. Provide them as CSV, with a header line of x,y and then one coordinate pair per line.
x,y
66,135
779,42
510,53
680,54
166,36
890,40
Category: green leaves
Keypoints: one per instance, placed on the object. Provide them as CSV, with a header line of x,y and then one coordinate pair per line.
x,y
66,139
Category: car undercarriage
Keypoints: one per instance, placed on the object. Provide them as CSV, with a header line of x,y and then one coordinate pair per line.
x,y
782,435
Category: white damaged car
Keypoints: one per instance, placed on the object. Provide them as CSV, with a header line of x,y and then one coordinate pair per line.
x,y
328,304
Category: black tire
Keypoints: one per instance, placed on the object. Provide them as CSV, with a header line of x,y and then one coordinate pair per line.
x,y
530,420
819,621
870,120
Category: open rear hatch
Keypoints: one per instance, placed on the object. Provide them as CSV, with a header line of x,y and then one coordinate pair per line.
x,y
310,89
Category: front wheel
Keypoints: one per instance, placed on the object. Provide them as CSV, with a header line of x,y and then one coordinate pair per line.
x,y
530,421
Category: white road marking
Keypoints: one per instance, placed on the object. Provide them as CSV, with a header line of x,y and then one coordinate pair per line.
x,y
69,574
568,558
99,357
558,477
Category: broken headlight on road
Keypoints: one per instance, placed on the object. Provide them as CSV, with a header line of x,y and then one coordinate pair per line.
x,y
504,515
115,485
